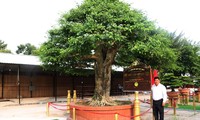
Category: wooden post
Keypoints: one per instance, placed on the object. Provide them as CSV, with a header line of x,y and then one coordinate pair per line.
x,y
174,105
194,105
170,104
187,99
184,100
179,99
136,107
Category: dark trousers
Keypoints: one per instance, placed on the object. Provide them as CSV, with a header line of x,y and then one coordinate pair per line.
x,y
158,109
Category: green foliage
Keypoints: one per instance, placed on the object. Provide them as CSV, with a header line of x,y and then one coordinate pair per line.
x,y
3,47
197,81
5,51
98,28
156,52
187,66
188,60
173,81
186,80
26,49
169,79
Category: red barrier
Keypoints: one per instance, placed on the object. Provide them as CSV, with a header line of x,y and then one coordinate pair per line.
x,y
58,105
136,115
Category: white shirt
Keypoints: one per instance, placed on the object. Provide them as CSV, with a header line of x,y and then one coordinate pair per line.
x,y
159,92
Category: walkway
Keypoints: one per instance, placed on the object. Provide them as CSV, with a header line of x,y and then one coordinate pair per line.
x,y
35,109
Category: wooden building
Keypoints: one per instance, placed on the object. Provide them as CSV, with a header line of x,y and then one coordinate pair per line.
x,y
21,76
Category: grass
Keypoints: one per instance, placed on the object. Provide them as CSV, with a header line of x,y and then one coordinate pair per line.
x,y
186,107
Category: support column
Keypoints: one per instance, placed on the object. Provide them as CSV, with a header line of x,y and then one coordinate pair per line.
x,y
55,86
18,83
2,84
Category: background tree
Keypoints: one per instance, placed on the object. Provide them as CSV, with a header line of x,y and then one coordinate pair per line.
x,y
99,34
26,49
3,47
187,66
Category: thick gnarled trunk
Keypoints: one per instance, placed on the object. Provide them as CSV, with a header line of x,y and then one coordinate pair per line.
x,y
103,68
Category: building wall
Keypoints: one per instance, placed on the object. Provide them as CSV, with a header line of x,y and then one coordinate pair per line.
x,y
42,86
48,85
64,83
1,86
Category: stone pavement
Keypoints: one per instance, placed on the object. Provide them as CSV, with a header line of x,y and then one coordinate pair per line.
x,y
35,109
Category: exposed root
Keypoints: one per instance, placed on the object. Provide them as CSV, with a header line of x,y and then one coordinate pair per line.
x,y
103,102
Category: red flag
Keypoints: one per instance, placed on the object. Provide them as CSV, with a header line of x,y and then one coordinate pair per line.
x,y
155,74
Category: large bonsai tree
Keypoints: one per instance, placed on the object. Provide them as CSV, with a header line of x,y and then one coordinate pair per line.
x,y
100,33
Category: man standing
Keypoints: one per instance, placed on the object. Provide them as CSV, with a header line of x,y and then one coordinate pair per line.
x,y
159,96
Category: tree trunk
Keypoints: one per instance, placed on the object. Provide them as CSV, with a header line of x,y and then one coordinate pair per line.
x,y
103,68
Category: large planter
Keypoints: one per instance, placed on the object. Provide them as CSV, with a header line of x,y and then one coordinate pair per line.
x,y
185,96
173,94
185,91
198,89
198,94
101,113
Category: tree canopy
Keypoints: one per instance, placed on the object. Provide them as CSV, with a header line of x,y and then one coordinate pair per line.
x,y
90,27
3,47
26,49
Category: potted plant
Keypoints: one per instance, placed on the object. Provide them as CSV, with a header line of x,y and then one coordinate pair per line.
x,y
171,81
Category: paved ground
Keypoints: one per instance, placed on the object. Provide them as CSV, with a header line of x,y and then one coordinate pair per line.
x,y
35,109
30,109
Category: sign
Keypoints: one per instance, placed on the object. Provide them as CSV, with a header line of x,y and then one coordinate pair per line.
x,y
137,78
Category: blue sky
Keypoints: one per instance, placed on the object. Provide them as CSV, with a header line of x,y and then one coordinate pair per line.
x,y
27,21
